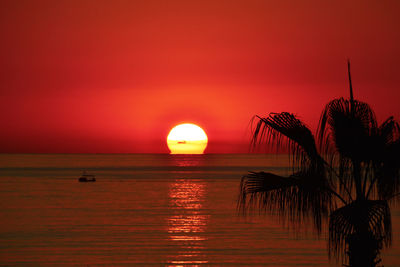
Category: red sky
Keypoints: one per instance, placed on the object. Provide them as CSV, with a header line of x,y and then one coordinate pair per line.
x,y
115,76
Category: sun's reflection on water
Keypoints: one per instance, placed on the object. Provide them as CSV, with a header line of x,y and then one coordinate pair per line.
x,y
187,160
187,225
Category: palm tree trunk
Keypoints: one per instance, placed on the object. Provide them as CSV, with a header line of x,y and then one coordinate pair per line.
x,y
363,246
363,250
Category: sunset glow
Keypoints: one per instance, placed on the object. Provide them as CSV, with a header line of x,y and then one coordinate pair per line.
x,y
187,138
117,74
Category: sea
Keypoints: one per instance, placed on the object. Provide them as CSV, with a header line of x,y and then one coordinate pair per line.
x,y
149,210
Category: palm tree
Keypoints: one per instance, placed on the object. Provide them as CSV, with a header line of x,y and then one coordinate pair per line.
x,y
348,177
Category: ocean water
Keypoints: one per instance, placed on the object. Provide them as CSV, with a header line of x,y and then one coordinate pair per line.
x,y
149,210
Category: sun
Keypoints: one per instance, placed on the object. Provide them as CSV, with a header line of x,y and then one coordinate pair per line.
x,y
187,138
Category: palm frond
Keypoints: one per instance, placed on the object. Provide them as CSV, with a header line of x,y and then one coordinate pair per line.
x,y
367,217
389,131
296,198
255,186
285,130
388,172
384,154
344,128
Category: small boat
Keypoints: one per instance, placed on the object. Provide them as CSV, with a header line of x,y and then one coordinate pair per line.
x,y
87,178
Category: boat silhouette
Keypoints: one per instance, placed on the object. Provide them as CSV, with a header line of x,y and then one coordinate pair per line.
x,y
87,178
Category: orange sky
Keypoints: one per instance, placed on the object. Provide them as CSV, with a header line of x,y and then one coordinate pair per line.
x,y
115,76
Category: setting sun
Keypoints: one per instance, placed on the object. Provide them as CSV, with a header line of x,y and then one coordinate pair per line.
x,y
187,138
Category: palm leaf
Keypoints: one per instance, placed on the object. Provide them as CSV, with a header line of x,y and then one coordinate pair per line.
x,y
389,131
284,130
384,153
295,199
345,127
388,173
367,217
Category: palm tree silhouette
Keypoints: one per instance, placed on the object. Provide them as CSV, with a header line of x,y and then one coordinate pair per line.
x,y
348,177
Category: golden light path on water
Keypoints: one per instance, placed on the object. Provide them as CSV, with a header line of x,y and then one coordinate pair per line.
x,y
188,223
